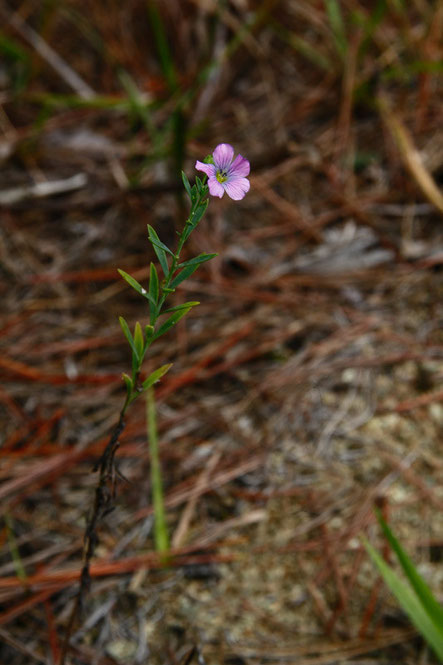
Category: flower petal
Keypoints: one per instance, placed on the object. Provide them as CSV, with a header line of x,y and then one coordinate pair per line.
x,y
209,169
215,188
237,188
223,155
240,167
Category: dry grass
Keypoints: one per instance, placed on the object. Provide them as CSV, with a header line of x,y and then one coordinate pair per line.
x,y
306,386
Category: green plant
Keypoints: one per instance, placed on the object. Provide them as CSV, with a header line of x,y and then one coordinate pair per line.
x,y
159,289
414,595
222,173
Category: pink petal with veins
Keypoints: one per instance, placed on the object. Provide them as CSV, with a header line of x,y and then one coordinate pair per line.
x,y
240,167
215,188
223,155
209,169
237,188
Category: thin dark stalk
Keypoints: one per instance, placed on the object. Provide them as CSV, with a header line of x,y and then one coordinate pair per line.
x,y
104,495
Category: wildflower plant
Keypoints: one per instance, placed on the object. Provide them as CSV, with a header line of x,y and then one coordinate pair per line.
x,y
222,173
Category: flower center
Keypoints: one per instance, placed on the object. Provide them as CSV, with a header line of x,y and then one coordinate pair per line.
x,y
221,176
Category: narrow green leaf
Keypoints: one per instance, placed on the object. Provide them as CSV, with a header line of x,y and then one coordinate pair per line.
x,y
135,285
127,334
197,260
128,383
138,339
303,46
13,548
154,293
161,245
12,49
173,319
199,212
136,362
156,376
162,44
369,25
186,185
337,25
409,602
160,249
177,308
187,230
137,105
153,284
422,590
184,274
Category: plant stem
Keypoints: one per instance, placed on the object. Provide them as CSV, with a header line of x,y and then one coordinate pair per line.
x,y
103,498
105,487
160,529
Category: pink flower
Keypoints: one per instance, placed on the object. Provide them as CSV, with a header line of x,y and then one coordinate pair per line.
x,y
225,175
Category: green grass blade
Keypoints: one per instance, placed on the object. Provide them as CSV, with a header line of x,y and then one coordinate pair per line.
x,y
13,548
17,60
370,24
166,60
135,99
101,102
409,602
302,46
162,45
432,607
337,26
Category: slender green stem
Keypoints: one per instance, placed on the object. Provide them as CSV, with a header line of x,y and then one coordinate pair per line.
x,y
183,237
160,528
13,548
161,537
